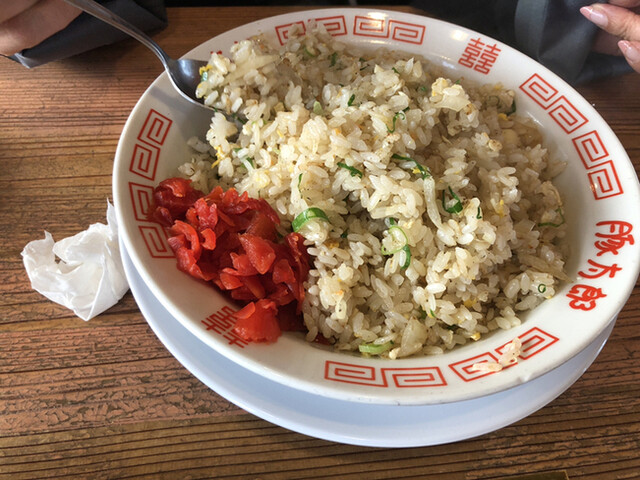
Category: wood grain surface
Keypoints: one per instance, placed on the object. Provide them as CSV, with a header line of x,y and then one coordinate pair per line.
x,y
105,399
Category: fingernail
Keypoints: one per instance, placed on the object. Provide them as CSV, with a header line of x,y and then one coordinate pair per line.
x,y
630,51
595,16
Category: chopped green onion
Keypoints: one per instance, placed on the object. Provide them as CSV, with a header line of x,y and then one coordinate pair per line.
x,y
352,170
479,213
351,99
334,57
422,89
299,181
424,173
542,288
247,160
423,314
309,53
238,118
344,234
398,240
375,348
407,259
456,206
432,314
513,107
204,76
457,82
395,118
551,224
317,108
395,70
312,213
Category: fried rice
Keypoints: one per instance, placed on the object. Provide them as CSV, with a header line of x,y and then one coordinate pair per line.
x,y
442,222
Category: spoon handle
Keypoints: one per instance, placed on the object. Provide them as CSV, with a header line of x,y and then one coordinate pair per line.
x,y
107,16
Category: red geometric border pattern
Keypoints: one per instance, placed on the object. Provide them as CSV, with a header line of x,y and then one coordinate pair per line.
x,y
603,178
541,91
370,27
566,115
563,112
604,181
155,128
415,377
354,374
463,368
533,341
282,31
590,148
602,175
406,32
146,150
559,108
144,163
335,26
384,377
144,160
155,239
141,199
362,26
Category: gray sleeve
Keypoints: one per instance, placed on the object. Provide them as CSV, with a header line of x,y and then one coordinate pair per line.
x,y
556,35
86,32
553,32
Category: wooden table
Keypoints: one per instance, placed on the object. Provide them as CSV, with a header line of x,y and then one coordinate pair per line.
x,y
105,399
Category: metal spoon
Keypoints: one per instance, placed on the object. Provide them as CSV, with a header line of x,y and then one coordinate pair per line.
x,y
184,73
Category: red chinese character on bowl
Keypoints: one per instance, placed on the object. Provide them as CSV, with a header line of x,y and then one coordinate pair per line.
x,y
584,297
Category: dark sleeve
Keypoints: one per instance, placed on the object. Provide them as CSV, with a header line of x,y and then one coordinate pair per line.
x,y
87,32
553,32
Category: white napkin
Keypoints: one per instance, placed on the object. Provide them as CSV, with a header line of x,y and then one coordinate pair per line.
x,y
88,276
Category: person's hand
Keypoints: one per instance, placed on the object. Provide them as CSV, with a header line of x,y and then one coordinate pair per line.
x,y
620,23
26,23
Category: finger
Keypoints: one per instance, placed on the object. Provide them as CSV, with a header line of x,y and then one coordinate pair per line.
x,y
631,51
625,3
33,25
615,20
11,9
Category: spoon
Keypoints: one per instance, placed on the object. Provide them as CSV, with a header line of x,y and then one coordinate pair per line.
x,y
184,73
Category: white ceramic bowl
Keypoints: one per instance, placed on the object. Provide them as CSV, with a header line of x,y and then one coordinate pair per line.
x,y
599,184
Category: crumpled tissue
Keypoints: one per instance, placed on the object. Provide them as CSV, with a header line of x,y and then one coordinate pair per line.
x,y
87,276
